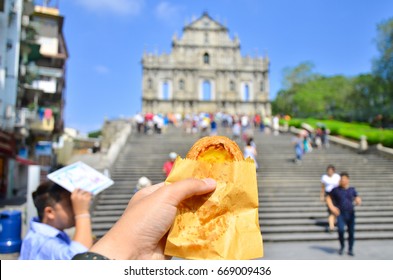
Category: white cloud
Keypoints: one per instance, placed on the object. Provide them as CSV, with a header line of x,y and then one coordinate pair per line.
x,y
120,7
167,11
101,69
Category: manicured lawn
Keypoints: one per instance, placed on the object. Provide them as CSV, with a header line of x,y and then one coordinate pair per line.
x,y
351,130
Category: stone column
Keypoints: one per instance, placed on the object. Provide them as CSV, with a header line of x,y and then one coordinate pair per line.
x,y
363,143
262,110
268,109
186,107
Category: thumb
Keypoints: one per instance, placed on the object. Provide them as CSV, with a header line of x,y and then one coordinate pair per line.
x,y
182,190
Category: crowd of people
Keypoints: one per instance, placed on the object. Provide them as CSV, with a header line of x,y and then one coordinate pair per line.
x,y
241,127
206,123
307,139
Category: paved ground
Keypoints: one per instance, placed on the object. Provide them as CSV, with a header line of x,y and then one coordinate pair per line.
x,y
327,250
324,250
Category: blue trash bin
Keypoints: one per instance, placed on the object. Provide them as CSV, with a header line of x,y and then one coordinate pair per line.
x,y
10,231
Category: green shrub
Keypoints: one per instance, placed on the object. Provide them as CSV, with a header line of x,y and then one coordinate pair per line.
x,y
351,130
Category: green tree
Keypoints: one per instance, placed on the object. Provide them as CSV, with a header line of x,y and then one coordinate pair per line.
x,y
383,65
94,134
324,97
383,69
293,78
283,103
367,99
298,75
307,94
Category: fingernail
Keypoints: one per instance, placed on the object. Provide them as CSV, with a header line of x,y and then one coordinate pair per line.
x,y
210,182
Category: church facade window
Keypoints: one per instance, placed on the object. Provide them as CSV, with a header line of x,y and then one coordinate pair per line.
x,y
246,92
181,84
165,90
206,58
232,86
206,91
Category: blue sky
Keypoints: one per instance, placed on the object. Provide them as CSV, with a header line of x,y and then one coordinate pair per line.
x,y
106,40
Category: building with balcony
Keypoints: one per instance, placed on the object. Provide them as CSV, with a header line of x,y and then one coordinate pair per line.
x,y
33,57
41,91
10,25
205,72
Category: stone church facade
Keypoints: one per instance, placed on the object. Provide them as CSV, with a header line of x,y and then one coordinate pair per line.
x,y
205,72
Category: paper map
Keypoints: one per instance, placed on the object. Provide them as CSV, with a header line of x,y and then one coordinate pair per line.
x,y
80,175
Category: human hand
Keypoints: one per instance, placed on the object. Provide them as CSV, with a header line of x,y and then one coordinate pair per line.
x,y
335,211
358,201
141,231
80,201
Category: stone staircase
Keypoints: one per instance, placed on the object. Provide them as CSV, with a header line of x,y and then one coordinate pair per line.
x,y
290,209
143,155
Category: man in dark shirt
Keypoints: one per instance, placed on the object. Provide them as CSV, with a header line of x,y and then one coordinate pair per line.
x,y
341,203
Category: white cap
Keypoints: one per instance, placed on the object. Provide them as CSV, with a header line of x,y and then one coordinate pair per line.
x,y
143,182
172,155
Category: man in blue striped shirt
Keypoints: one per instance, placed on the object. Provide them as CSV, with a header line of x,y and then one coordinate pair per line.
x,y
341,202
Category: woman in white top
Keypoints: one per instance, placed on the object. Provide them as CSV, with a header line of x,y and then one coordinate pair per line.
x,y
250,151
329,181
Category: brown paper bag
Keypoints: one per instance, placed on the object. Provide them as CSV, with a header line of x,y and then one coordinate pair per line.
x,y
221,225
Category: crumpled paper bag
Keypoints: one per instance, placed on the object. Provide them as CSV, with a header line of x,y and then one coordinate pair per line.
x,y
220,225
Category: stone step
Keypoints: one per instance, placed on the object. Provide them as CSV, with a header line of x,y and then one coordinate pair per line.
x,y
268,216
313,185
292,206
307,200
302,237
312,228
120,204
264,195
291,193
376,208
269,205
313,181
285,199
269,191
318,215
323,221
108,213
380,222
312,191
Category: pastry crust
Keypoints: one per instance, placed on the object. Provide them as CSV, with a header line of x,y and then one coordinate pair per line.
x,y
215,149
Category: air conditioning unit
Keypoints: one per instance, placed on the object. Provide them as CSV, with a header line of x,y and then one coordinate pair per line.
x,y
25,20
22,69
9,112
